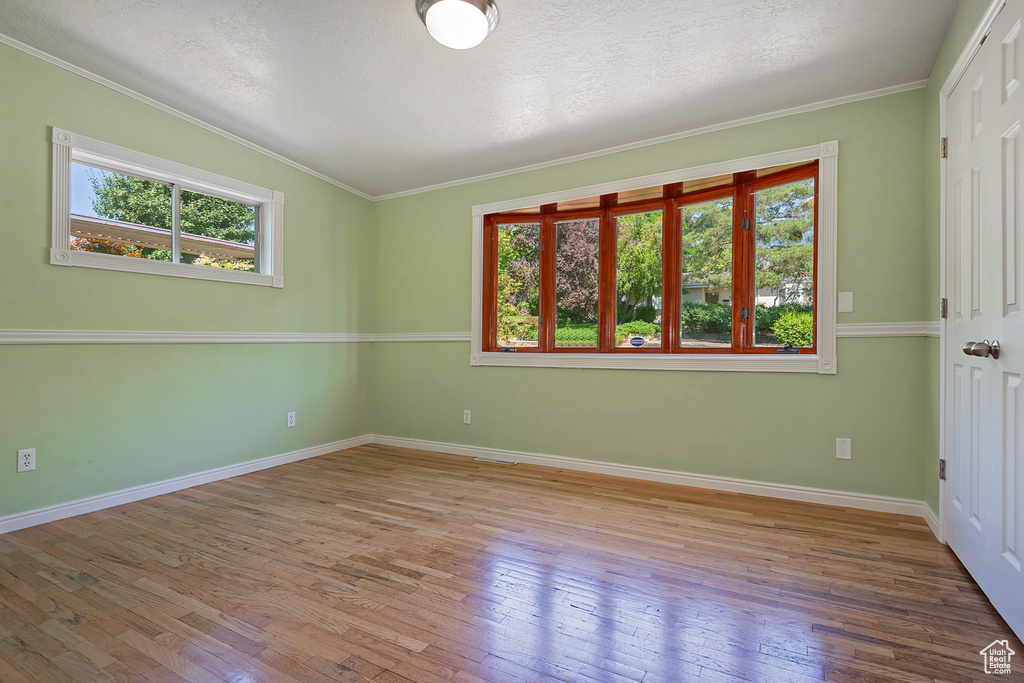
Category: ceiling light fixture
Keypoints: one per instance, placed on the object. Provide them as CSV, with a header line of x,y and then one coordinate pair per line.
x,y
458,24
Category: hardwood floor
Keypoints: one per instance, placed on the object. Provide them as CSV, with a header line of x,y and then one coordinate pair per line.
x,y
389,565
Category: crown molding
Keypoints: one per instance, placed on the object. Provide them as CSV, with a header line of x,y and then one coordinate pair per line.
x,y
145,99
814,106
802,109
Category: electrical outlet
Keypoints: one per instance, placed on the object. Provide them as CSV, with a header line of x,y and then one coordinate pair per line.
x,y
846,302
291,419
26,460
466,416
844,449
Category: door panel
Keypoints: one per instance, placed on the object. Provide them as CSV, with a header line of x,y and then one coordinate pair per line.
x,y
1011,222
954,454
974,451
1013,462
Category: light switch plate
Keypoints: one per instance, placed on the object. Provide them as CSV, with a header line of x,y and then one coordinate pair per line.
x,y
846,302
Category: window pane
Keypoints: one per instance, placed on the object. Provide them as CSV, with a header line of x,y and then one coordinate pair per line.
x,y
576,250
706,309
115,213
518,284
638,275
784,265
217,232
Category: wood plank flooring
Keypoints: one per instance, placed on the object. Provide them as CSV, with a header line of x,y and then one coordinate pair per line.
x,y
390,565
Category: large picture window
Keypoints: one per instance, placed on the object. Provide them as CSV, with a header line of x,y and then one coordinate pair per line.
x,y
727,267
703,266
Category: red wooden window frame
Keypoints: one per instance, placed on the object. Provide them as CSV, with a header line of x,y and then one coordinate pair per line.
x,y
742,190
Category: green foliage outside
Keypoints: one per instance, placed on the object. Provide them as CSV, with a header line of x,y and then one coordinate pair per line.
x,y
127,198
638,265
795,329
585,334
707,243
518,280
765,317
581,335
786,324
784,258
700,318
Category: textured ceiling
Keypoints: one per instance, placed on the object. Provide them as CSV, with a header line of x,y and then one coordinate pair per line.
x,y
357,90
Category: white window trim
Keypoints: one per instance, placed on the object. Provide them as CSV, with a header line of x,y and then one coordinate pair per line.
x,y
70,147
823,363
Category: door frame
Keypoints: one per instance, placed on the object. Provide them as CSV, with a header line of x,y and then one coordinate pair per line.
x,y
956,73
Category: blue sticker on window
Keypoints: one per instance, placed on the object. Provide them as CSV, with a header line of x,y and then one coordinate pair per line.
x,y
637,341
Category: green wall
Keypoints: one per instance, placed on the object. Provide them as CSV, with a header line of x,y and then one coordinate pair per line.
x,y
767,427
968,15
107,417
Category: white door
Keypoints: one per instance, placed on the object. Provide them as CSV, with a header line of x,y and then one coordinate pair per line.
x,y
984,425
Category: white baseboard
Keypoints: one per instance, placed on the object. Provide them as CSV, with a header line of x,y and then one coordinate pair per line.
x,y
860,501
933,521
52,513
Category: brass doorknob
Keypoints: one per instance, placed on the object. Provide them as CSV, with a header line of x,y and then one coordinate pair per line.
x,y
982,349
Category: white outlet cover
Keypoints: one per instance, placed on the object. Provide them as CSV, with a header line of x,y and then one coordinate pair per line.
x,y
26,460
846,302
844,449
291,419
467,416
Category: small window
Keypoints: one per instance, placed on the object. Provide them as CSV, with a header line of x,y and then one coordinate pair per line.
x,y
122,210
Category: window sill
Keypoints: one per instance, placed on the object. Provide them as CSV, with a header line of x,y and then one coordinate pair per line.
x,y
621,361
88,259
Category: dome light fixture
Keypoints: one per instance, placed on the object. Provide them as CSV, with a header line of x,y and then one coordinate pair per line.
x,y
458,24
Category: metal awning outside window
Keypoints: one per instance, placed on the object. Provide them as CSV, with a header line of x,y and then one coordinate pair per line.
x,y
123,232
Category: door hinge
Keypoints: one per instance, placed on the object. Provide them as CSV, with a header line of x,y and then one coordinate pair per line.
x,y
942,470
943,307
746,224
944,148
744,313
